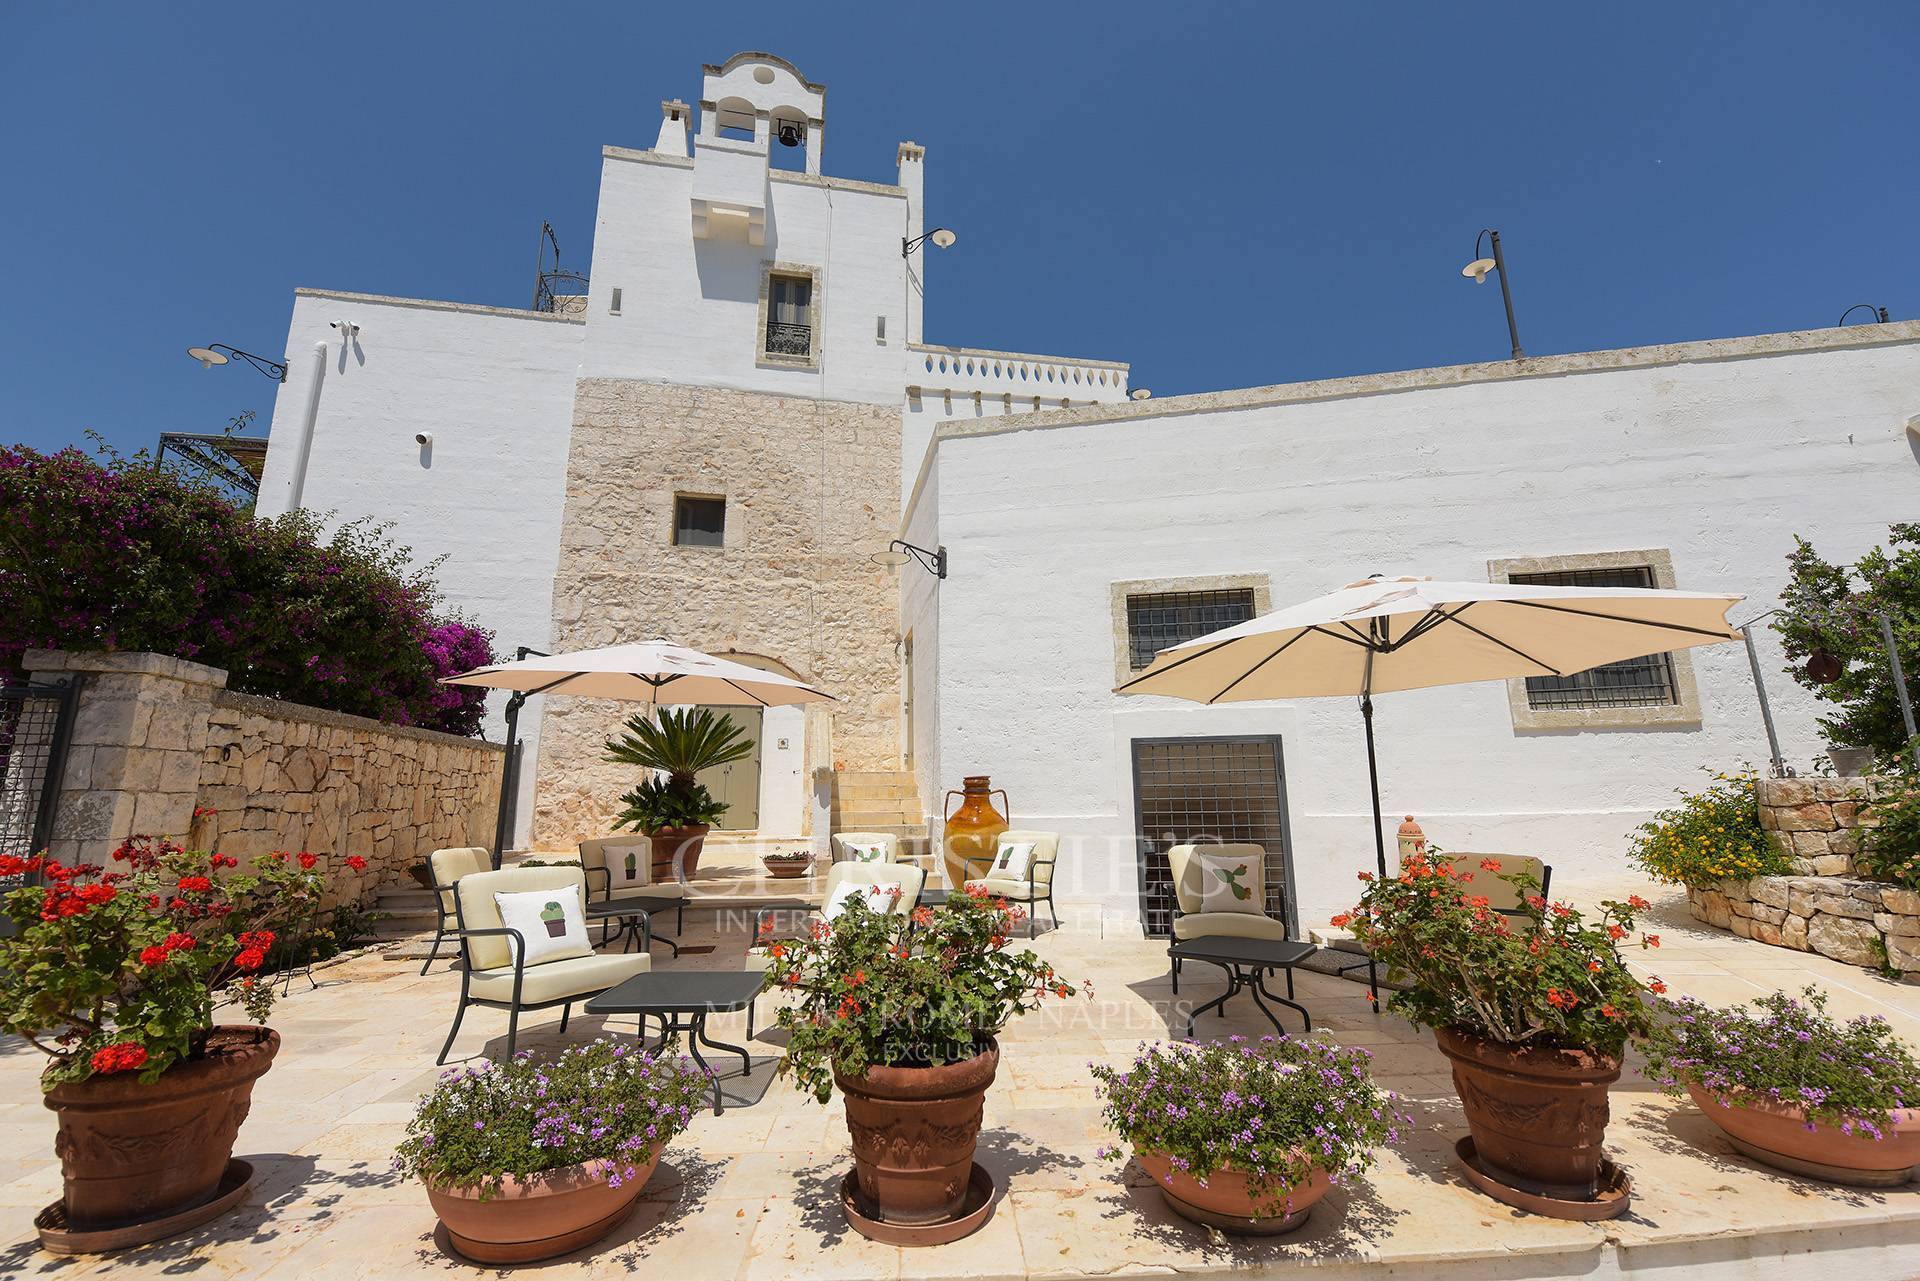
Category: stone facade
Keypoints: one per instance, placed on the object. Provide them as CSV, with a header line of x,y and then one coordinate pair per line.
x,y
160,747
1824,907
811,488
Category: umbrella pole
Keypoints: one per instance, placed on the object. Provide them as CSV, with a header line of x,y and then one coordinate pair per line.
x,y
1379,834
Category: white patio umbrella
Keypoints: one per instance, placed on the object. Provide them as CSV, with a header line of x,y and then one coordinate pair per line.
x,y
653,672
1384,634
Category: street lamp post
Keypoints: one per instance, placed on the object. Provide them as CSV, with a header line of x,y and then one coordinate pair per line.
x,y
1477,270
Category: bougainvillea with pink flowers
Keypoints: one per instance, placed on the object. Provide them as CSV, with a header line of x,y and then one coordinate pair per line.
x,y
119,968
120,555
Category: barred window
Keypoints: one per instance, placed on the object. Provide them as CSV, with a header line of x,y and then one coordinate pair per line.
x,y
1161,619
1636,682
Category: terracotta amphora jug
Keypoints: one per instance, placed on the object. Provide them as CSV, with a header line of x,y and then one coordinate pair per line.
x,y
973,830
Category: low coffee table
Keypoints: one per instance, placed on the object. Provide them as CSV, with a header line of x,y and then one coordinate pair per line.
x,y
635,915
1246,962
681,1000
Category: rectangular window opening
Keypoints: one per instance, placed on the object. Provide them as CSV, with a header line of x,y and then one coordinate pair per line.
x,y
1636,682
790,316
699,522
1161,619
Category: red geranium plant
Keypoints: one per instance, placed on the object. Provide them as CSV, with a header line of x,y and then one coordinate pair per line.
x,y
119,968
1546,977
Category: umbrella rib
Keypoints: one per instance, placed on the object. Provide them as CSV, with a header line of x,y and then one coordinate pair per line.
x,y
570,676
744,690
1432,619
1256,667
1615,618
1452,618
1170,666
1355,639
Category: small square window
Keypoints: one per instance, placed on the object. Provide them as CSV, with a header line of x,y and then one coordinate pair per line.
x,y
699,522
1162,619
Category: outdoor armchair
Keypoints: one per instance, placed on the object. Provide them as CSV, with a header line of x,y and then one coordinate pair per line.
x,y
499,977
911,879
598,857
1036,886
1191,920
444,868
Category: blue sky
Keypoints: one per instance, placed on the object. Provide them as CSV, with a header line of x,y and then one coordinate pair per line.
x,y
1225,195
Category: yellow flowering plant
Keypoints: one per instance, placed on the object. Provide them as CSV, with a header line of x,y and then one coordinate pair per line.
x,y
1712,835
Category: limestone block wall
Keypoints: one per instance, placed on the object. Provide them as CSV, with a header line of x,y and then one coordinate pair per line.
x,y
160,747
812,491
1824,908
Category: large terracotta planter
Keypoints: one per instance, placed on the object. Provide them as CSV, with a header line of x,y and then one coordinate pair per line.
x,y
1226,1200
1776,1134
973,830
537,1217
133,1153
676,851
1538,1116
914,1130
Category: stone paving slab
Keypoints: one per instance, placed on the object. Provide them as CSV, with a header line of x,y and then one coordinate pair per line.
x,y
753,1193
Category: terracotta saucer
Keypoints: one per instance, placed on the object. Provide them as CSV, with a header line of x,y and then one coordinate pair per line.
x,y
973,1215
1615,1195
57,1238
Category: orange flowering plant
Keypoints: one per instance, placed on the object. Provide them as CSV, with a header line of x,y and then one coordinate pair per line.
x,y
917,990
1549,976
118,968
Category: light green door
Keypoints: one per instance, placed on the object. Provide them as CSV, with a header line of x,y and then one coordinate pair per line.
x,y
738,785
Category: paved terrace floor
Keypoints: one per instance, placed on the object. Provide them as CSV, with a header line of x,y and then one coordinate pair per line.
x,y
751,1194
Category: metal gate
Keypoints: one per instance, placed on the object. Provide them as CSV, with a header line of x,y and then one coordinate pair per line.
x,y
35,722
1199,790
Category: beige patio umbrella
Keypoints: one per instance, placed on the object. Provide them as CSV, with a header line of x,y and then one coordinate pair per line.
x,y
1383,634
653,672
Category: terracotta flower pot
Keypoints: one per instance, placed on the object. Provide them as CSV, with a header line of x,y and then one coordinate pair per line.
x,y
676,851
787,869
1226,1199
132,1153
1776,1134
914,1130
1538,1116
538,1216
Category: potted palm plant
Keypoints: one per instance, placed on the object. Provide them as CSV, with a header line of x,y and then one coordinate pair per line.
x,y
116,974
671,806
900,1013
1534,1012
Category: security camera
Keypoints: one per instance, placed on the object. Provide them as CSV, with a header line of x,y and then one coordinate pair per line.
x,y
423,438
346,327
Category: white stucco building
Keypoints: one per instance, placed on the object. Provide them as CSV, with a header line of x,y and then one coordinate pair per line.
x,y
741,410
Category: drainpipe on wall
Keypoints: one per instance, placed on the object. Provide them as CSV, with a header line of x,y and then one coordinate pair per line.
x,y
307,419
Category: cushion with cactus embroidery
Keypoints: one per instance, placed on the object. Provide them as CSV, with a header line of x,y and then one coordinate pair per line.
x,y
629,865
551,921
865,851
1230,883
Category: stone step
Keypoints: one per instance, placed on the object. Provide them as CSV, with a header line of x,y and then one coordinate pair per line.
x,y
872,777
903,790
865,818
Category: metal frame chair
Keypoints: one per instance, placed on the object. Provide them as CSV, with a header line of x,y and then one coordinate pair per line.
x,y
442,893
514,1006
1258,853
968,860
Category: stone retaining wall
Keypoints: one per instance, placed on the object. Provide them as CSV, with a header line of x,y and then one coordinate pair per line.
x,y
1823,907
160,747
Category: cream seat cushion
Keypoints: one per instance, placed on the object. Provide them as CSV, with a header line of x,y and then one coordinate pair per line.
x,y
1008,889
609,852
1502,896
558,980
479,911
1040,863
1242,925
865,847
449,865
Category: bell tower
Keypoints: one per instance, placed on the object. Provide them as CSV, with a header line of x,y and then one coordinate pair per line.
x,y
749,104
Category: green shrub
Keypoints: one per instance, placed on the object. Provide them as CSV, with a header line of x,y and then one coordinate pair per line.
x,y
1891,851
1711,835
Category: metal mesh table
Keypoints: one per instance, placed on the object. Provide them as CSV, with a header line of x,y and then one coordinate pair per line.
x,y
681,1000
1246,962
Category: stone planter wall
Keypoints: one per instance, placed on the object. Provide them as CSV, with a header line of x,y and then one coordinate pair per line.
x,y
1824,908
160,747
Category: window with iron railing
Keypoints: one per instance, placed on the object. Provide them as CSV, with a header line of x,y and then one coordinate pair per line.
x,y
789,316
1636,682
1160,619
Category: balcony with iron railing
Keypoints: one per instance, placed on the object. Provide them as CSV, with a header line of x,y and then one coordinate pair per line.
x,y
787,339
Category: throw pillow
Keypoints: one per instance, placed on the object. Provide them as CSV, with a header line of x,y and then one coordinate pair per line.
x,y
865,851
1011,861
878,898
629,865
552,921
1230,883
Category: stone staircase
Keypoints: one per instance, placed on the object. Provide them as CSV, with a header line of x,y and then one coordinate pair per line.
x,y
885,801
408,927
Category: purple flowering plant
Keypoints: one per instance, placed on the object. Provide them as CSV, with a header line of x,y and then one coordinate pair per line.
x,y
606,1104
1788,1051
1273,1110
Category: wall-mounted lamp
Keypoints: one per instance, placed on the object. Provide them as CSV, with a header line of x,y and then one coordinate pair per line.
x,y
219,353
940,236
1875,314
899,553
1140,393
1477,270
